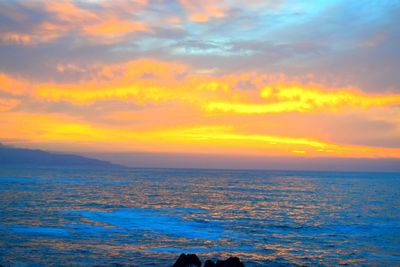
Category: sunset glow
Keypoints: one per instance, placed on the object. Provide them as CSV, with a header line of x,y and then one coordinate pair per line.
x,y
220,77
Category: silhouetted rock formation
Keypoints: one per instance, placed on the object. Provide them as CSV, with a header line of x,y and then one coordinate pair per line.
x,y
189,260
209,263
231,262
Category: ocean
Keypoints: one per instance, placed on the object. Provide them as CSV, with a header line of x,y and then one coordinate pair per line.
x,y
147,217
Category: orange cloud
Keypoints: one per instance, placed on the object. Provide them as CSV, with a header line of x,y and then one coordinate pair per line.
x,y
8,104
140,81
150,81
204,11
67,12
13,86
61,129
166,106
114,27
18,38
107,21
267,145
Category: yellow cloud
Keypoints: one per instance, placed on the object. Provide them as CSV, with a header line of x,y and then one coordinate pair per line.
x,y
257,108
175,106
267,145
140,81
92,93
67,130
316,97
150,81
288,98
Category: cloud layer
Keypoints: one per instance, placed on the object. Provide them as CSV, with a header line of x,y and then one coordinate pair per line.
x,y
273,78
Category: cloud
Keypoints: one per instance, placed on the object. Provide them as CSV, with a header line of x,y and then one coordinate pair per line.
x,y
297,98
15,38
280,145
7,104
126,101
236,36
67,130
150,81
141,81
13,86
231,76
114,28
95,23
205,11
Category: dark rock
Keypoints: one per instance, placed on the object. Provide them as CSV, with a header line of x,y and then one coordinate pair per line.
x,y
231,262
209,263
189,260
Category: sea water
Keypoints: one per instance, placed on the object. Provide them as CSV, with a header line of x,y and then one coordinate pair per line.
x,y
147,217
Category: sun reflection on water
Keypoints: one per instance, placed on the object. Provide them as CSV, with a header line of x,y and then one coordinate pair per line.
x,y
149,216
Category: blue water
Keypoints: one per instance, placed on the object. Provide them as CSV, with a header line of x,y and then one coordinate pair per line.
x,y
147,217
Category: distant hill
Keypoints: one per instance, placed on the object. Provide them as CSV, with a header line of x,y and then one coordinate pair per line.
x,y
22,156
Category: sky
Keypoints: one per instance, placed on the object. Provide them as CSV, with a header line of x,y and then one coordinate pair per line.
x,y
283,78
